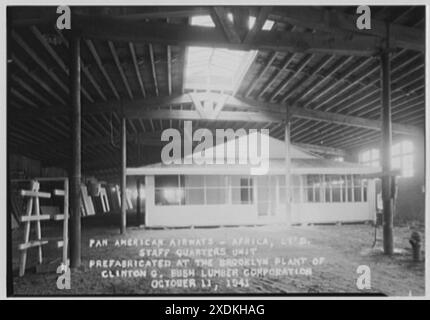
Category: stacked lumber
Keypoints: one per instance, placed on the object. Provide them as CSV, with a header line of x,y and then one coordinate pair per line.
x,y
104,200
87,206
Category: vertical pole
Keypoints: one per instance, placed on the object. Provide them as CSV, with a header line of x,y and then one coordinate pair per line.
x,y
138,204
287,172
123,176
386,149
75,179
66,221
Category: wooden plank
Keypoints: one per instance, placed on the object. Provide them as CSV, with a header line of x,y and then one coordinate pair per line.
x,y
59,193
31,244
27,226
34,218
57,217
27,193
87,201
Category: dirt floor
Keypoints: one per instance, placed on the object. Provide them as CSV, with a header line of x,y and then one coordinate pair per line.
x,y
229,260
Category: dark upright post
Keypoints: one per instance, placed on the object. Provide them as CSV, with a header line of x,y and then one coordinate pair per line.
x,y
287,172
386,150
75,179
123,176
138,203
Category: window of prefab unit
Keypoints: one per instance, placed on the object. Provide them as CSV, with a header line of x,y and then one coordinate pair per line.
x,y
205,190
169,190
369,157
241,190
334,188
313,188
402,157
246,190
190,190
194,190
266,194
296,188
216,190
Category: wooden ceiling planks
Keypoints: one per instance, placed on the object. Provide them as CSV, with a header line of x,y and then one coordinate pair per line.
x,y
326,82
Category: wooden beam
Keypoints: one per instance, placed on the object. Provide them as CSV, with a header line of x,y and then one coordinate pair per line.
x,y
57,58
259,23
136,68
99,63
338,22
20,41
45,17
85,69
285,83
169,69
119,67
221,20
275,75
241,16
263,70
114,29
320,149
37,79
154,72
321,65
349,120
30,90
240,116
257,111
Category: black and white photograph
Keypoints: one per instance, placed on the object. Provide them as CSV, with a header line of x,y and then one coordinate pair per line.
x,y
214,150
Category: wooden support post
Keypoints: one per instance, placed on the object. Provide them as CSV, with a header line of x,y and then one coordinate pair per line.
x,y
123,176
75,179
287,173
66,222
386,150
140,218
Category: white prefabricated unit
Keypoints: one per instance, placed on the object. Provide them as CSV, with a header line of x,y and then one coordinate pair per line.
x,y
321,190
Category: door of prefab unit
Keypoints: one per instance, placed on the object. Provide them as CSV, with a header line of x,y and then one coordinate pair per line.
x,y
267,203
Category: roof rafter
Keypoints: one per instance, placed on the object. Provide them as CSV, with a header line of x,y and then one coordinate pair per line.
x,y
337,22
109,28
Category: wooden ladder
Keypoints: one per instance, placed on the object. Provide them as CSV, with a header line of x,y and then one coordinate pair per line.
x,y
32,215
